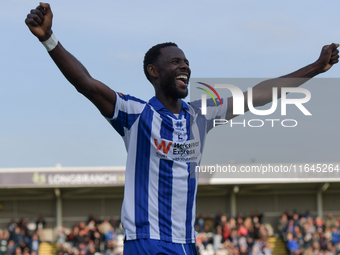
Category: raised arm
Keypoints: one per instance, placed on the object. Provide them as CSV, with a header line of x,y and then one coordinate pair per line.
x,y
39,21
262,92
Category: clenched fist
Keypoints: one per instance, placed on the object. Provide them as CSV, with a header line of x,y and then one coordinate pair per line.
x,y
39,21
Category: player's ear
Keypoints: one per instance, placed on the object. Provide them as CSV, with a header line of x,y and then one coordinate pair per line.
x,y
153,71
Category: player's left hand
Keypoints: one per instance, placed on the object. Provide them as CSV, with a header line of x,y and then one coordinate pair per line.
x,y
328,57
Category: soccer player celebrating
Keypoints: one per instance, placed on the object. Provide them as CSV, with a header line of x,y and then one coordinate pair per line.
x,y
163,137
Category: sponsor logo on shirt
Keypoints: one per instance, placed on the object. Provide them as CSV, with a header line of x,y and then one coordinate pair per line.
x,y
163,146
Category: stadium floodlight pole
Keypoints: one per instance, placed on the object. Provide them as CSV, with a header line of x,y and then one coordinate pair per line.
x,y
59,208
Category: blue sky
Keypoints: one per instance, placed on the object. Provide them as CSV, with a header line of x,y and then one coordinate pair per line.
x,y
44,121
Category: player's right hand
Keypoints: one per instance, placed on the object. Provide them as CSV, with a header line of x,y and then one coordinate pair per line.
x,y
39,21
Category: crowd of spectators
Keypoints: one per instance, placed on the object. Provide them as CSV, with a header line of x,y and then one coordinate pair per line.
x,y
85,238
91,237
21,238
305,234
226,236
216,236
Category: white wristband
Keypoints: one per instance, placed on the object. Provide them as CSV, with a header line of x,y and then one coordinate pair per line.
x,y
50,43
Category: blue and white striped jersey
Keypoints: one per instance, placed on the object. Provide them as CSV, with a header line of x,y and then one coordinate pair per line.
x,y
159,194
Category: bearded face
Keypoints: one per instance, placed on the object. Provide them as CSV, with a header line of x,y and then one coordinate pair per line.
x,y
174,72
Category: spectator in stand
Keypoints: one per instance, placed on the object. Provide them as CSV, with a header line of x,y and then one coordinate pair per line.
x,y
200,223
23,245
82,237
218,219
217,239
242,231
26,251
308,238
11,226
330,221
296,219
234,237
242,241
296,230
308,214
82,225
69,250
40,223
110,235
335,235
113,222
299,237
17,251
104,227
16,236
31,228
232,222
328,234
308,251
3,243
323,240
257,248
244,250
291,227
248,223
302,222
257,225
97,239
35,243
239,222
89,219
11,247
76,251
337,249
283,223
257,215
226,231
319,223
98,221
91,250
92,225
77,238
337,224
82,248
292,245
71,238
311,225
263,233
61,236
267,250
222,221
109,248
22,224
316,246
209,235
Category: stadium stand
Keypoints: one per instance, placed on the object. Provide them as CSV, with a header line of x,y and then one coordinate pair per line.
x,y
66,197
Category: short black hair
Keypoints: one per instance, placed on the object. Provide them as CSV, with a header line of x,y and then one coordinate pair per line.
x,y
151,56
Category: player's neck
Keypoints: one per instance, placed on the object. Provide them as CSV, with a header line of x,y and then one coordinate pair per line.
x,y
174,105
